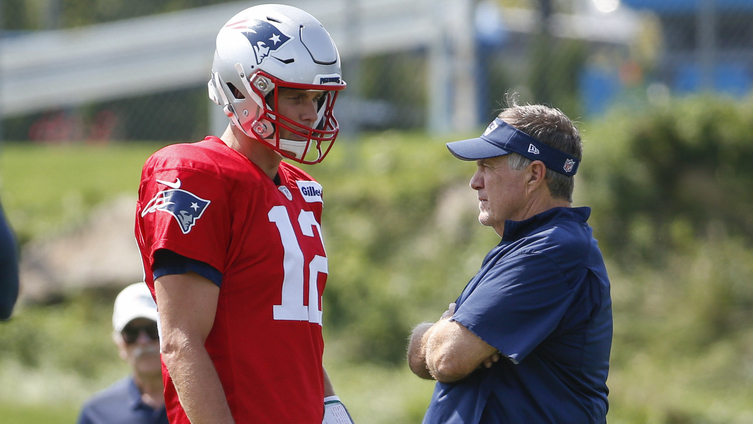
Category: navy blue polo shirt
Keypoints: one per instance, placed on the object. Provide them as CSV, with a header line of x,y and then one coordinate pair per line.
x,y
542,298
120,404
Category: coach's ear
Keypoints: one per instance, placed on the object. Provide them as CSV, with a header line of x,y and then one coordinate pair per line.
x,y
535,176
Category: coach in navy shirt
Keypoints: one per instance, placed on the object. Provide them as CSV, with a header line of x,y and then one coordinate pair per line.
x,y
529,338
138,398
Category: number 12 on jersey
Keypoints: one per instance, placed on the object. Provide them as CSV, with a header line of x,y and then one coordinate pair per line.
x,y
292,307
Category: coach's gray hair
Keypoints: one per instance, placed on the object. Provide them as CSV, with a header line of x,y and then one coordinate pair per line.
x,y
553,128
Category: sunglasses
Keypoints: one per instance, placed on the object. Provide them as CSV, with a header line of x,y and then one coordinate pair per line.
x,y
131,333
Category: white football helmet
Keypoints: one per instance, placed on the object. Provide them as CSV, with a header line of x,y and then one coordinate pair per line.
x,y
268,47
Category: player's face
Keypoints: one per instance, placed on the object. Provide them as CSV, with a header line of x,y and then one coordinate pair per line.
x,y
501,192
300,106
140,351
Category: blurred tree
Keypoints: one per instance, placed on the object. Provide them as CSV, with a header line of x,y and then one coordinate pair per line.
x,y
540,76
396,79
674,173
54,14
14,15
556,65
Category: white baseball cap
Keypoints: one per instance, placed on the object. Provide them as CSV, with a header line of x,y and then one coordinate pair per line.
x,y
135,301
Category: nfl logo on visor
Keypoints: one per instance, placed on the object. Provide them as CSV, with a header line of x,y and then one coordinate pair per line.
x,y
569,164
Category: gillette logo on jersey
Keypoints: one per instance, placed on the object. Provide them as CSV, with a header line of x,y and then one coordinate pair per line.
x,y
185,206
264,38
311,191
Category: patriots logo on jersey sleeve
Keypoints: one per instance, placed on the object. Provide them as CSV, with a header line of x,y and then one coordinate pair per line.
x,y
264,38
185,206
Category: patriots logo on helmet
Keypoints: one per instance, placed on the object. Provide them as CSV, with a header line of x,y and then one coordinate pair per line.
x,y
264,38
185,206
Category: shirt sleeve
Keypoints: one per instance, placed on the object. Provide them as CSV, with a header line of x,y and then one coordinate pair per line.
x,y
185,211
516,304
8,269
84,415
167,262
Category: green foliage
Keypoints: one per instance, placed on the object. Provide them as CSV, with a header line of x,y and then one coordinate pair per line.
x,y
14,413
398,78
82,326
661,178
45,187
560,89
56,14
54,357
376,394
14,15
683,339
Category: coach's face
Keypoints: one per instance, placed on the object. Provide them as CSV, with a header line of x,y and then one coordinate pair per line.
x,y
501,192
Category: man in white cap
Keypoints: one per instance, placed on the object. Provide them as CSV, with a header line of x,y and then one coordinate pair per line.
x,y
138,398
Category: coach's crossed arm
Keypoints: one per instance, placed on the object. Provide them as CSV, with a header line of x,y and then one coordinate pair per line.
x,y
446,351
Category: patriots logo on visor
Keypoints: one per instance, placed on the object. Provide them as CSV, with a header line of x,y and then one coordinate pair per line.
x,y
185,206
264,38
493,126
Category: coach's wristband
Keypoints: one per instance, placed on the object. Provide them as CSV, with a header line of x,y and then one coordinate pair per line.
x,y
335,412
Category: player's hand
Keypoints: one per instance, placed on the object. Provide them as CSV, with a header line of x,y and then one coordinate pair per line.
x,y
335,412
449,312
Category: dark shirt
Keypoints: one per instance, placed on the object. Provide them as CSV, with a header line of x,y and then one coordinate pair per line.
x,y
8,269
541,298
120,404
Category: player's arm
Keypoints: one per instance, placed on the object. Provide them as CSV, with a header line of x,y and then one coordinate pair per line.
x,y
335,411
187,305
329,390
447,351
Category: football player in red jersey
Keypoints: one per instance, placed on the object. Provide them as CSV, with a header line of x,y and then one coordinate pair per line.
x,y
230,235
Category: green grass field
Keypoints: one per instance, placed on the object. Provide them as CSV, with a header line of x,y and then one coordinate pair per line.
x,y
37,414
46,187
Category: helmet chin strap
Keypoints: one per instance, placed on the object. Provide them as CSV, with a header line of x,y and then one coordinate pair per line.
x,y
297,148
267,133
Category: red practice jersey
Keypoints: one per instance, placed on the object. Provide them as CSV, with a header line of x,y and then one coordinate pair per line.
x,y
208,202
